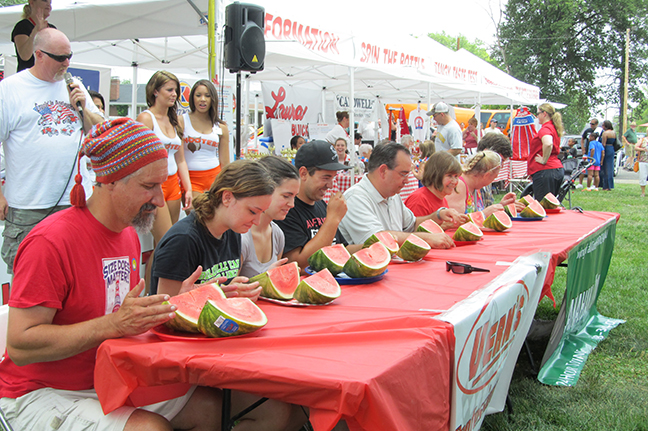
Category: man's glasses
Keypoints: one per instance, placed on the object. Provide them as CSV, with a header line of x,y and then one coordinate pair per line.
x,y
462,268
59,58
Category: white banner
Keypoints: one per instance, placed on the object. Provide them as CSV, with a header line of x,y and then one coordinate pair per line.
x,y
490,327
362,108
283,102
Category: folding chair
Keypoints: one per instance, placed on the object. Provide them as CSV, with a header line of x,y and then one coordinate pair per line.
x,y
4,316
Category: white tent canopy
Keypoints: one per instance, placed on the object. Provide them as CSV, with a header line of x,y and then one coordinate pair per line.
x,y
169,34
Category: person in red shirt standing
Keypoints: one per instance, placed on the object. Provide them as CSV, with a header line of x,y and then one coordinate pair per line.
x,y
543,165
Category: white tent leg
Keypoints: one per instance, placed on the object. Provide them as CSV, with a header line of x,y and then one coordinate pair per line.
x,y
133,110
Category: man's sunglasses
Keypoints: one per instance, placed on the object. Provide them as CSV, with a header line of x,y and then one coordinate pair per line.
x,y
462,268
59,58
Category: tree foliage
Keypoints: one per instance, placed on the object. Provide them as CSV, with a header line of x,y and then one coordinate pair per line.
x,y
478,47
11,2
562,46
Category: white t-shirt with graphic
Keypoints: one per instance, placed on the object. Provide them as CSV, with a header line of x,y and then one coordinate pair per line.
x,y
41,134
205,157
419,123
172,145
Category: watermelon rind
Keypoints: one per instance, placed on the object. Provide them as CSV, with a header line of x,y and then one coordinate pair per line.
x,y
184,322
526,200
223,318
321,259
498,221
386,238
533,210
468,232
413,248
511,210
269,286
550,202
358,267
307,292
429,226
477,218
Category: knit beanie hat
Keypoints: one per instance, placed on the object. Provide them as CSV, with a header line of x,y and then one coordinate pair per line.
x,y
117,148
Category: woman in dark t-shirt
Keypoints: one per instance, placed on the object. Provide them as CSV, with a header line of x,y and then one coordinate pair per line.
x,y
35,14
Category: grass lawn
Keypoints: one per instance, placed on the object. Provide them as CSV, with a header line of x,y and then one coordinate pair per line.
x,y
612,392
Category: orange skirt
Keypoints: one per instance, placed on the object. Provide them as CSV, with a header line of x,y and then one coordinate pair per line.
x,y
201,181
171,188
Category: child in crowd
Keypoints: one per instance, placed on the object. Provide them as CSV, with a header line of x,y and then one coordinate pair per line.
x,y
597,154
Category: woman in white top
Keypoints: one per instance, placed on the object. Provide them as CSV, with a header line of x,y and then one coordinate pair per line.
x,y
206,138
262,246
162,92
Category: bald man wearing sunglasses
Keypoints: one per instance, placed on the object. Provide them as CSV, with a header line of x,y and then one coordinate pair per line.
x,y
41,129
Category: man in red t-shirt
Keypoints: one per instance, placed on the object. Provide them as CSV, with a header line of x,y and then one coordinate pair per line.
x,y
77,284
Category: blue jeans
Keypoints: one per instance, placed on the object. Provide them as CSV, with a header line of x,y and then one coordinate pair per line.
x,y
607,169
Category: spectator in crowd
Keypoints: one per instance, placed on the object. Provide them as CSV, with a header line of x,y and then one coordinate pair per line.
x,y
341,151
642,158
67,299
480,170
40,151
427,148
440,178
357,141
629,141
34,19
492,128
593,127
365,153
340,129
262,246
608,139
470,136
596,153
408,142
374,204
98,100
448,134
296,142
162,92
205,139
312,224
543,165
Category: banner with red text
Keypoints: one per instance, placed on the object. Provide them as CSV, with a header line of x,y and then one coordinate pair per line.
x,y
284,102
490,327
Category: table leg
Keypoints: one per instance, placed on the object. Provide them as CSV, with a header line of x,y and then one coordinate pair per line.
x,y
226,410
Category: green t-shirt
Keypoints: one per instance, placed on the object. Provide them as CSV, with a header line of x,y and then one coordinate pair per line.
x,y
631,136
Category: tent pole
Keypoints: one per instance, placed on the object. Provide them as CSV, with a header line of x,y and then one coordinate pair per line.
x,y
246,110
211,39
256,120
133,110
238,115
352,148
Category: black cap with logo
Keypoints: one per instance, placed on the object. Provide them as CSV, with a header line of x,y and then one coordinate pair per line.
x,y
318,154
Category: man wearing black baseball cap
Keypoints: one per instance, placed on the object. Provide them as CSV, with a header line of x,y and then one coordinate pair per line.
x,y
311,224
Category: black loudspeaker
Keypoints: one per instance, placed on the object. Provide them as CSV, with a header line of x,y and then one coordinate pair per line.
x,y
244,38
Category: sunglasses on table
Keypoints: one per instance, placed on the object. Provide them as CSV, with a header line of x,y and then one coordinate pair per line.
x,y
463,268
59,58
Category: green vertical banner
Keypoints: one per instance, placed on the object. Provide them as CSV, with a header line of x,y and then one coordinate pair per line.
x,y
579,326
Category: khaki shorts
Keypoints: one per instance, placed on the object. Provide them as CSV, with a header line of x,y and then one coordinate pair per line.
x,y
18,223
54,409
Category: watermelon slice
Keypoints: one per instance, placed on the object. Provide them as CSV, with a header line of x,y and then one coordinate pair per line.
x,y
468,232
534,209
498,221
526,200
368,262
413,249
550,202
386,239
279,283
332,257
477,218
511,210
319,288
229,317
190,304
429,226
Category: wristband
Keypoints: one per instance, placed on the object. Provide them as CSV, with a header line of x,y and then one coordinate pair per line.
x,y
438,213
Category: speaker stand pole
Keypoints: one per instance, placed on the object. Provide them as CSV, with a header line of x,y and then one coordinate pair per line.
x,y
239,132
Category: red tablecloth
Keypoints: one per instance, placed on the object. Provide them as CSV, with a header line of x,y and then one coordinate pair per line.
x,y
373,356
342,182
